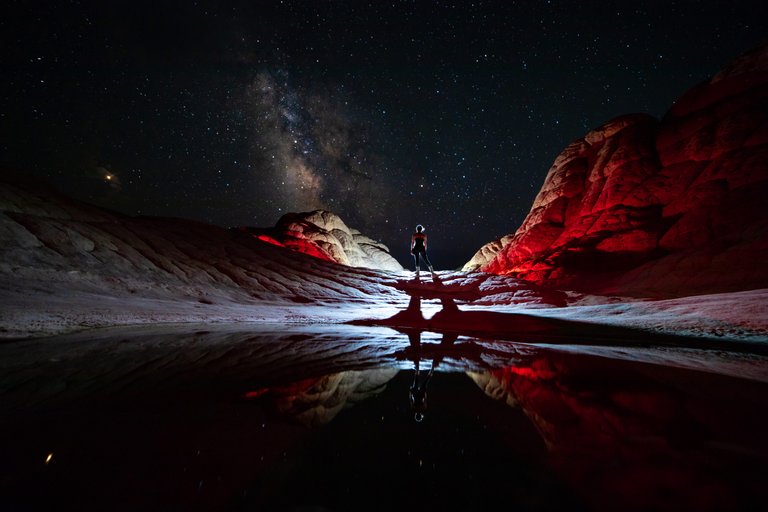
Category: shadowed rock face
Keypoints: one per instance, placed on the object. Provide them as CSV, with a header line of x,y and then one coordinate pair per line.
x,y
324,235
647,207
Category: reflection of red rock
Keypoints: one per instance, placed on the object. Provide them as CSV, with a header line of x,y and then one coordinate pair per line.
x,y
668,207
649,440
316,401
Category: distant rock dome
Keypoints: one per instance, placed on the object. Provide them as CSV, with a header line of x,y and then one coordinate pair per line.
x,y
324,234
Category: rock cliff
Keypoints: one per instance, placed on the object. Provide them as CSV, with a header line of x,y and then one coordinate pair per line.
x,y
652,207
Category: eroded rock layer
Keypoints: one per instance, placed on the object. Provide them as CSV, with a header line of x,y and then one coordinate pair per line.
x,y
324,235
658,208
67,265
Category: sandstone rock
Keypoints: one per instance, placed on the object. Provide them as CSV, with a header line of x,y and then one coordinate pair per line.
x,y
68,265
670,207
324,235
486,253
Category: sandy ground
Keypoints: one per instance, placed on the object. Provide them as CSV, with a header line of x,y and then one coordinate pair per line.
x,y
494,301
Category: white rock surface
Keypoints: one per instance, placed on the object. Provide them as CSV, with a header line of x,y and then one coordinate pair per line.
x,y
343,244
486,253
66,265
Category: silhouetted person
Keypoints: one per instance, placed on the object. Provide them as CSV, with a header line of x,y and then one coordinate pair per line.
x,y
419,248
418,392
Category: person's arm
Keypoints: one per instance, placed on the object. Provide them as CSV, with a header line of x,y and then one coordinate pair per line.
x,y
413,241
425,242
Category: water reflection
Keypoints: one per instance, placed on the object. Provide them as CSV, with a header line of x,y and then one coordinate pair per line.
x,y
315,418
643,435
417,393
316,401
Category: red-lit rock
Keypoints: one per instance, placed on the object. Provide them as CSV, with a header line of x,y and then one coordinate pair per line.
x,y
659,208
324,235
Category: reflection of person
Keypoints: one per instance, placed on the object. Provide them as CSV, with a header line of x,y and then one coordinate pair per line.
x,y
419,248
418,392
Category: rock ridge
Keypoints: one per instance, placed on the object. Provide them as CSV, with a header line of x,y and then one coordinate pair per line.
x,y
649,207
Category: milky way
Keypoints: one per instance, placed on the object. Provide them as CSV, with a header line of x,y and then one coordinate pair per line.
x,y
309,152
447,114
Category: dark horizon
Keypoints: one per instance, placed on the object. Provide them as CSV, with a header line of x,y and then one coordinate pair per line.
x,y
391,116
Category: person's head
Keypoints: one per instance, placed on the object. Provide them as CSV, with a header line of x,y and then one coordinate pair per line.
x,y
419,228
418,404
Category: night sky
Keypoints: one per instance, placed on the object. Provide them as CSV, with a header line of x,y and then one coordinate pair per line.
x,y
390,114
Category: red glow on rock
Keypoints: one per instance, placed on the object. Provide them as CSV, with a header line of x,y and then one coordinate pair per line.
x,y
307,247
539,369
296,388
256,393
296,242
655,208
292,389
269,240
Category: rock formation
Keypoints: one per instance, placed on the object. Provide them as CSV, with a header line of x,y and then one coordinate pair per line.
x,y
486,253
68,265
324,235
656,208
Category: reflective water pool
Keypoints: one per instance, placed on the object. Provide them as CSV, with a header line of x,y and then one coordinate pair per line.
x,y
337,418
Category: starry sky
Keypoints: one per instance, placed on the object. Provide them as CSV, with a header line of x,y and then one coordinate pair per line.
x,y
444,113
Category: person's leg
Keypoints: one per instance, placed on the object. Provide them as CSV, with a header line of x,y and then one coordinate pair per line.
x,y
416,264
426,260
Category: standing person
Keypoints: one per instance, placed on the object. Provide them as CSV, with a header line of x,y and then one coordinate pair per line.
x,y
419,249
